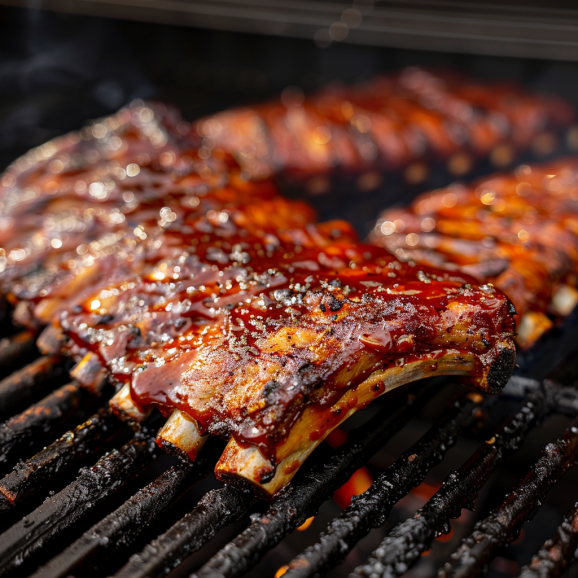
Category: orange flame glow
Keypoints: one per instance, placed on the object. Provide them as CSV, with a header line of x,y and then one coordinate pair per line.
x,y
359,482
306,524
281,571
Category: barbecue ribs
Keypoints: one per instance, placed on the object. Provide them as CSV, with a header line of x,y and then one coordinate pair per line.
x,y
394,122
159,262
272,345
518,231
89,208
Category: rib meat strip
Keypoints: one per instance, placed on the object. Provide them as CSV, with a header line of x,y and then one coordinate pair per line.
x,y
518,231
389,122
91,207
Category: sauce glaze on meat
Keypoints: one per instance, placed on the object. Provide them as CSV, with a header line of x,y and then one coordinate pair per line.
x,y
245,342
517,230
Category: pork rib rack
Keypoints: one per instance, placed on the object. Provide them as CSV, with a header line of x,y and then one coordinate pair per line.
x,y
518,231
274,352
401,122
86,209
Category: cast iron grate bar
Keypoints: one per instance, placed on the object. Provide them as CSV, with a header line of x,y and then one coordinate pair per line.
x,y
28,477
123,526
220,507
216,510
556,554
372,508
223,506
30,428
504,524
16,350
65,508
38,376
402,548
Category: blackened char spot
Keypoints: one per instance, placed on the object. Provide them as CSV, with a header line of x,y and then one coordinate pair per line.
x,y
308,377
335,304
105,319
135,331
501,370
270,387
267,475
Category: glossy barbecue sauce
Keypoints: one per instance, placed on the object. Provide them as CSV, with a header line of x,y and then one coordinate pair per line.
x,y
209,293
243,330
94,210
518,231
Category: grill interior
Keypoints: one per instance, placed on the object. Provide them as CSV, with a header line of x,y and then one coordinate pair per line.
x,y
82,495
102,500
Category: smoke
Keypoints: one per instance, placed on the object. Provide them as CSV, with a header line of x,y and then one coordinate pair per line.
x,y
57,71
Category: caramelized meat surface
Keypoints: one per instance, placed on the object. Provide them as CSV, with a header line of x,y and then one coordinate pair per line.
x,y
245,345
90,208
518,231
389,122
164,265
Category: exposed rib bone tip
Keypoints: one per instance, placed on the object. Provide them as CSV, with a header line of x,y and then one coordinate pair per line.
x,y
123,405
531,327
180,436
564,300
246,466
90,372
51,340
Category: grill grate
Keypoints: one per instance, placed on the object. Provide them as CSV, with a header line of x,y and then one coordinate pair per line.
x,y
120,531
27,478
555,555
15,350
506,521
22,385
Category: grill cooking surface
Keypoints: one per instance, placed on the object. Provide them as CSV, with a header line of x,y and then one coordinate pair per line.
x,y
96,499
95,463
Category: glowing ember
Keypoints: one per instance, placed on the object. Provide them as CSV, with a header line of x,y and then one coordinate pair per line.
x,y
306,524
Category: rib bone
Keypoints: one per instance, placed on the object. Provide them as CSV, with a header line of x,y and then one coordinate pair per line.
x,y
247,466
564,300
180,435
51,340
90,372
123,406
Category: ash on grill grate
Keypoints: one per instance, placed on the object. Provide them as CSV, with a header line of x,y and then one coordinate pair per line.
x,y
217,509
372,508
404,545
288,511
120,528
28,477
59,512
50,415
558,552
